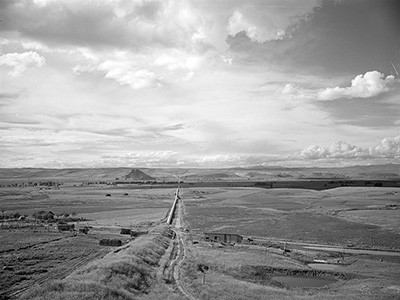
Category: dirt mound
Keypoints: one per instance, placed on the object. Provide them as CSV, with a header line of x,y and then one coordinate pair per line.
x,y
136,174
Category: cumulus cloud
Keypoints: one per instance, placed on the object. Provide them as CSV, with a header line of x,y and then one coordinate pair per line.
x,y
363,86
339,149
238,23
389,147
19,62
257,33
369,85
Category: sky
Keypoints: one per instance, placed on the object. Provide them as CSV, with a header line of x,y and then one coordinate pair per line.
x,y
205,83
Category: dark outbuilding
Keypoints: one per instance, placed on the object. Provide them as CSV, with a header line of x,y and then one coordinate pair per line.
x,y
223,237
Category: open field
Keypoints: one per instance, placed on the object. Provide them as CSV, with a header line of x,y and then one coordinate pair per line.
x,y
336,217
33,253
246,273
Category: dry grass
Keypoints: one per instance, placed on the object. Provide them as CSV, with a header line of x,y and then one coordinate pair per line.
x,y
304,215
125,274
221,284
313,216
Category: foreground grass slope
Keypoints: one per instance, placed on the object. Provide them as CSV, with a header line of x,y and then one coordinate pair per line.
x,y
126,273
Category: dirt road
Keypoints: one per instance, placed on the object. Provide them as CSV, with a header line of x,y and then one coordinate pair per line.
x,y
181,256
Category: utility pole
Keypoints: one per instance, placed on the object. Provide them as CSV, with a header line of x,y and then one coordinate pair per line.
x,y
284,245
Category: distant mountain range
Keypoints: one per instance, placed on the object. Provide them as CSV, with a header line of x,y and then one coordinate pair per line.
x,y
381,172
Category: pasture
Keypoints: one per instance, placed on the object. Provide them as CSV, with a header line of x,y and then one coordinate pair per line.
x,y
348,217
364,217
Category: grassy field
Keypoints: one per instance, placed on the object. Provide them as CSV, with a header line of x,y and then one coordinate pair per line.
x,y
246,272
363,217
341,216
33,255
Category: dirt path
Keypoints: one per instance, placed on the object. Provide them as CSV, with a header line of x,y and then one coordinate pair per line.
x,y
181,256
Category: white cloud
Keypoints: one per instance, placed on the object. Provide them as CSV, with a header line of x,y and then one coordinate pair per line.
x,y
178,60
19,62
130,75
238,23
389,147
42,3
339,149
256,32
296,92
32,45
153,69
363,86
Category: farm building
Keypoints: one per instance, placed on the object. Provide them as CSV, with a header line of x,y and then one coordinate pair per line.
x,y
222,237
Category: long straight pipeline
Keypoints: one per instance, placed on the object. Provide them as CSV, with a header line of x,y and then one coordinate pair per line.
x,y
171,213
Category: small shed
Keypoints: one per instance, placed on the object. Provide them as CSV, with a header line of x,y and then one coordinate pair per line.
x,y
222,237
